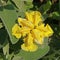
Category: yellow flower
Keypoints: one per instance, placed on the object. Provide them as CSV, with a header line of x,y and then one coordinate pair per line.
x,y
48,30
37,36
16,31
28,44
30,48
26,23
34,17
24,31
32,29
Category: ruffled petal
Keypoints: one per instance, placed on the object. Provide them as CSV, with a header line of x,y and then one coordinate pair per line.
x,y
30,48
48,31
29,39
28,44
20,20
16,31
37,36
34,17
24,31
37,18
41,27
29,16
25,23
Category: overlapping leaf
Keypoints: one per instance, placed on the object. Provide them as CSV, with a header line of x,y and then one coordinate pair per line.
x,y
32,55
9,16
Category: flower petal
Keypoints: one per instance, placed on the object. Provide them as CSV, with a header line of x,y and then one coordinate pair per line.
x,y
16,31
41,41
36,34
24,31
29,39
49,31
30,48
38,38
29,16
26,23
41,27
28,44
37,18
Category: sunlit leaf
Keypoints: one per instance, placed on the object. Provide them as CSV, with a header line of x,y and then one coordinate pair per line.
x,y
23,5
42,50
9,16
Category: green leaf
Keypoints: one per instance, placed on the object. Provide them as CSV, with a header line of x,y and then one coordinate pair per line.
x,y
55,15
6,49
10,56
17,58
45,7
23,5
18,2
42,50
27,0
9,16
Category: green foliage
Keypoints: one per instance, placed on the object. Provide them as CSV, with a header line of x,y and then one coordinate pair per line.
x,y
55,15
6,49
22,5
45,7
8,16
10,47
32,55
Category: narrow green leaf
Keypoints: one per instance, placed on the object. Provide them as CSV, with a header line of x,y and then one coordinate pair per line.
x,y
55,15
6,50
45,7
10,56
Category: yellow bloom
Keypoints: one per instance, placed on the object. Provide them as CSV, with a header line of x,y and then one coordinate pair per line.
x,y
32,29
37,18
45,31
28,44
30,16
49,31
16,31
25,23
37,36
30,48
19,21
24,31
34,17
